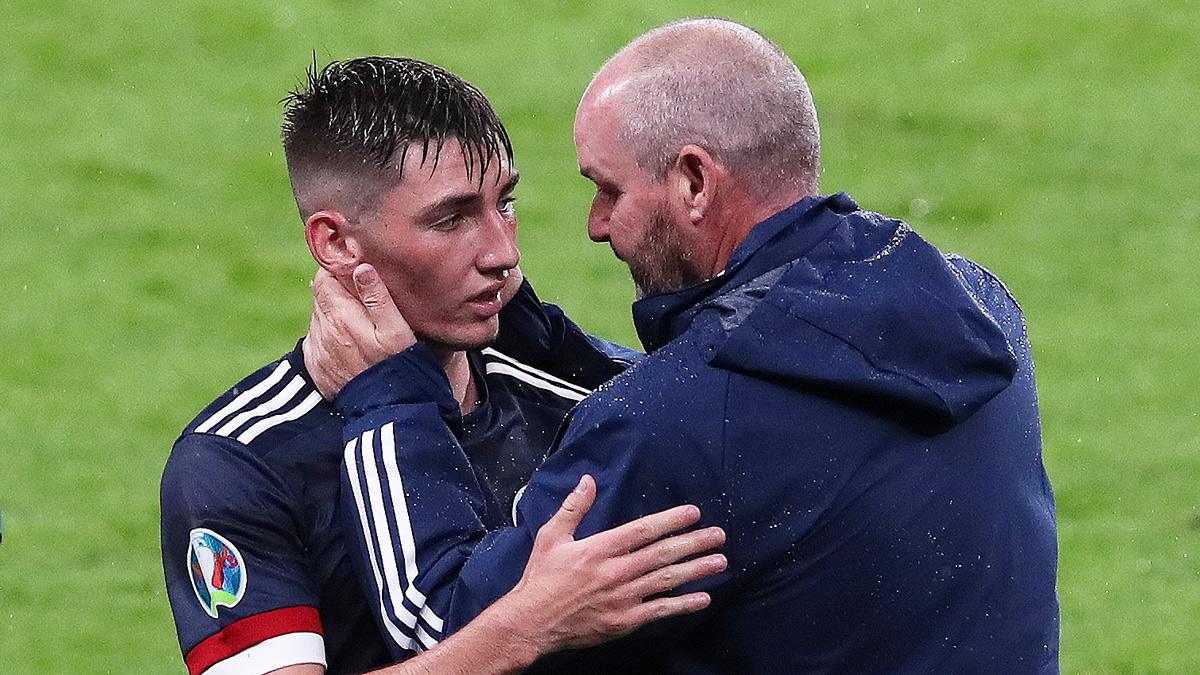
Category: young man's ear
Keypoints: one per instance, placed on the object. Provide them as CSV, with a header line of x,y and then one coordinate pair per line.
x,y
333,243
695,176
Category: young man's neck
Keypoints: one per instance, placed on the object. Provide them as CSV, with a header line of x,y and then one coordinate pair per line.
x,y
462,381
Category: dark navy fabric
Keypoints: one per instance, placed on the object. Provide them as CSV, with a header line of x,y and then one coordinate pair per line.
x,y
275,497
858,411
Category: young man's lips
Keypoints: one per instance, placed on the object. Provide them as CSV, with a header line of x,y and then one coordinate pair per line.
x,y
487,302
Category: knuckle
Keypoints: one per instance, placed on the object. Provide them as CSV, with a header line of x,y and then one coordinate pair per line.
x,y
612,624
674,549
607,575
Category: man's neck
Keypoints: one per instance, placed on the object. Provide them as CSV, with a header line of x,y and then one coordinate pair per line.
x,y
741,214
462,381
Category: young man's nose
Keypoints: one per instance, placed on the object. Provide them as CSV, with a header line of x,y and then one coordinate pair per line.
x,y
500,251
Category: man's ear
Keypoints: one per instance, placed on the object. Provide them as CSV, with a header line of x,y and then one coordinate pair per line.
x,y
333,243
695,177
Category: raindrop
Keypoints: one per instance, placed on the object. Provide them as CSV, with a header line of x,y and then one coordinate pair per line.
x,y
918,208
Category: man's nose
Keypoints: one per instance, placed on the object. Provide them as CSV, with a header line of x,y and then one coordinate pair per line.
x,y
597,228
500,251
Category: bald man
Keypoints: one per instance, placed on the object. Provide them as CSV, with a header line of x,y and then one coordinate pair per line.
x,y
855,408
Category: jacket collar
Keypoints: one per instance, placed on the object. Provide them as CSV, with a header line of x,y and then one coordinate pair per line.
x,y
780,239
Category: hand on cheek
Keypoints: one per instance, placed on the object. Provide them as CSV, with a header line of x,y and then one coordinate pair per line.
x,y
351,331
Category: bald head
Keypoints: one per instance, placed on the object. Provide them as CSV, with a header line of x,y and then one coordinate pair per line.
x,y
724,87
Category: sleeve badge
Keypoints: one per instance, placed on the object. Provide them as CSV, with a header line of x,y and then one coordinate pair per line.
x,y
218,571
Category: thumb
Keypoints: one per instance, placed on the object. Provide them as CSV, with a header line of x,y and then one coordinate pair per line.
x,y
573,509
371,291
391,329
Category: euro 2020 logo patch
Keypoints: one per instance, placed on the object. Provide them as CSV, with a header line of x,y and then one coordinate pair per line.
x,y
218,571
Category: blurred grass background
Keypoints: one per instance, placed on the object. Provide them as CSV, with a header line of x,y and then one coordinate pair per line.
x,y
154,255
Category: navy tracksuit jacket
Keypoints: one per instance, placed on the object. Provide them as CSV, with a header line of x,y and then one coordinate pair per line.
x,y
856,409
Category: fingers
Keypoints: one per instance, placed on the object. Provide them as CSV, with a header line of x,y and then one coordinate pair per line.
x,y
661,608
570,514
673,576
673,549
334,302
637,533
322,300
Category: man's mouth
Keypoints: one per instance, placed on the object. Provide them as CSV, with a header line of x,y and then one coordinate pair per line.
x,y
488,302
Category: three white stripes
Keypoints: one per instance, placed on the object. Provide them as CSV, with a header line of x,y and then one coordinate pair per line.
x,y
379,543
270,413
405,628
275,411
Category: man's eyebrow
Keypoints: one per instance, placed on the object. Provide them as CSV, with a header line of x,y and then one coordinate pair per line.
x,y
593,175
449,203
511,183
459,200
600,181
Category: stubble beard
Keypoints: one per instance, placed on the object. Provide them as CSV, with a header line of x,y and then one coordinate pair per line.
x,y
660,263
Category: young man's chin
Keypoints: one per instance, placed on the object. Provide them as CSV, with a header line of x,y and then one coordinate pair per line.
x,y
476,335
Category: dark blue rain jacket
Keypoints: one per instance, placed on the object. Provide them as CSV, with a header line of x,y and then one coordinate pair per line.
x,y
854,407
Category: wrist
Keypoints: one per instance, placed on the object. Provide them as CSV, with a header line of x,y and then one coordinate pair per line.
x,y
529,639
413,376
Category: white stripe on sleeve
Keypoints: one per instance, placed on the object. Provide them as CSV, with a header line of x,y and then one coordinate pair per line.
x,y
408,546
271,405
505,369
272,654
395,589
266,423
528,369
400,638
245,397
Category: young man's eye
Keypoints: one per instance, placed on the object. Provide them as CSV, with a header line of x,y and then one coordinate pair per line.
x,y
448,223
508,205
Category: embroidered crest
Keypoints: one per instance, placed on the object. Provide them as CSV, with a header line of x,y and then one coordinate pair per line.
x,y
218,572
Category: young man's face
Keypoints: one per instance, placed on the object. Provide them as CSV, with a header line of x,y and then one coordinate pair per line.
x,y
445,246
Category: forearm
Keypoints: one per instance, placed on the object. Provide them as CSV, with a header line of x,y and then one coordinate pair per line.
x,y
578,593
411,519
497,642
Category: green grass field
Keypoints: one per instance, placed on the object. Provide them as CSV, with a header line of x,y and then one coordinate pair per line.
x,y
154,255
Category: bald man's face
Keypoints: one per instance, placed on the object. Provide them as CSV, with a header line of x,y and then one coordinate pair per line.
x,y
629,210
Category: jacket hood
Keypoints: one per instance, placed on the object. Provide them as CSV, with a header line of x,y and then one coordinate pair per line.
x,y
845,302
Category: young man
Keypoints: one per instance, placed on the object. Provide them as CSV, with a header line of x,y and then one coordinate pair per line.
x,y
403,176
854,407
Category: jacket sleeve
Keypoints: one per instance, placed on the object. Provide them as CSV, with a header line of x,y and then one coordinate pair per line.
x,y
645,458
414,507
410,505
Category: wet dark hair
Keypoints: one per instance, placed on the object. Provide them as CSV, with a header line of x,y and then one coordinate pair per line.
x,y
363,116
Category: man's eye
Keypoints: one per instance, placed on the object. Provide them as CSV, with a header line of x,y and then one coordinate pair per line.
x,y
508,205
448,223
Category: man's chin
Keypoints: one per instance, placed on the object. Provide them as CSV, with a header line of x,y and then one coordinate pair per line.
x,y
477,336
645,285
671,276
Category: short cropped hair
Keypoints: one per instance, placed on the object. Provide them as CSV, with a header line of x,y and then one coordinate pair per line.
x,y
725,87
357,119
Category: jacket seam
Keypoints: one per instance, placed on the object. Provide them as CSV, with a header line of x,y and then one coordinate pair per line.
x,y
870,361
